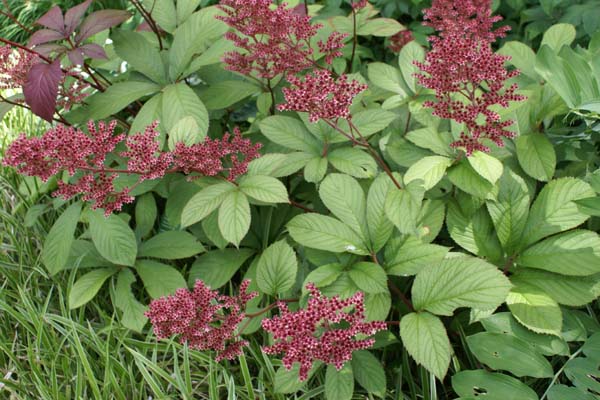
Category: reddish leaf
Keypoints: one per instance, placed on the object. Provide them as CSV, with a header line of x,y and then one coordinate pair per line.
x,y
99,21
49,48
300,9
75,56
45,36
73,16
53,19
93,50
143,27
41,88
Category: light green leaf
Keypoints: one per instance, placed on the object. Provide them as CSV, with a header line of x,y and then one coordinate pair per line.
x,y
185,8
133,311
559,35
371,121
171,245
278,165
387,77
490,168
369,373
115,98
57,245
537,156
345,198
473,232
504,352
145,215
113,238
234,217
325,233
554,209
264,188
424,337
291,133
140,54
382,27
86,287
378,306
429,169
216,267
180,101
205,202
522,57
339,385
315,169
277,268
288,381
464,176
369,277
408,255
570,253
470,384
380,227
402,206
149,113
323,276
408,55
535,309
353,162
568,290
459,282
430,138
159,279
163,12
223,94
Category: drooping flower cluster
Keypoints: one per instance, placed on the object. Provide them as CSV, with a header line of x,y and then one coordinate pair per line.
x,y
84,158
328,329
320,95
399,40
271,40
202,318
466,74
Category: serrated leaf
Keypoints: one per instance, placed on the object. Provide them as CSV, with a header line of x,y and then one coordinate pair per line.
x,y
315,169
424,337
408,55
408,255
140,54
559,35
171,245
220,95
180,101
536,156
217,267
339,385
535,309
344,197
291,133
145,214
369,277
402,206
264,188
568,290
234,217
353,162
57,245
429,169
368,372
464,176
133,311
41,88
159,279
113,238
205,202
386,77
488,167
277,268
495,386
86,287
99,21
379,226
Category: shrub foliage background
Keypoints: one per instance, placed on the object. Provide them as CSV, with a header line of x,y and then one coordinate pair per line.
x,y
383,206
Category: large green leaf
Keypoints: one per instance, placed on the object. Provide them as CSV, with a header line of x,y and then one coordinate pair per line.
x,y
568,290
180,101
559,35
344,196
171,245
379,226
163,12
407,255
224,94
508,353
291,133
492,386
276,269
570,253
408,55
159,279
535,309
205,202
369,277
537,156
464,176
402,206
115,98
234,217
217,267
140,54
57,245
522,57
353,162
264,188
563,392
339,385
113,238
429,169
86,287
133,311
459,282
387,77
325,233
424,337
368,372
145,214
488,167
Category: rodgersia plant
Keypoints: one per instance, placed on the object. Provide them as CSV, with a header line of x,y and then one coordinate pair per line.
x,y
251,177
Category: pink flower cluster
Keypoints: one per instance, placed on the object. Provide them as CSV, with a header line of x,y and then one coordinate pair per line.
x,y
320,95
83,156
272,40
399,40
327,330
202,318
467,76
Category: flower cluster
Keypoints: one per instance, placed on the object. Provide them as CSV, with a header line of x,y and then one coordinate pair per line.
x,y
399,40
467,76
328,329
84,158
272,41
320,95
202,318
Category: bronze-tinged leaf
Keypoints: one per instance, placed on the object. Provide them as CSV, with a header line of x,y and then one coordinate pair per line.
x,y
74,15
75,56
99,21
93,50
48,48
53,19
41,88
45,36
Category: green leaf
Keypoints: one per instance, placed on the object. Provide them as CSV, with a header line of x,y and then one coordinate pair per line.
x,y
509,210
424,337
379,226
402,206
381,27
277,268
140,54
324,275
339,385
568,290
429,169
217,267
315,169
408,55
559,35
288,381
408,255
386,77
430,138
57,245
220,95
86,287
163,12
159,279
570,253
536,156
264,188
353,162
535,309
113,238
83,254
171,245
325,233
149,113
369,373
210,226
185,8
431,220
278,165
371,121
345,198
459,282
589,206
185,131
554,209
291,133
180,101
234,217
145,214
508,353
522,57
563,392
115,98
584,373
464,176
488,167
369,277
205,202
378,306
133,311
470,384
